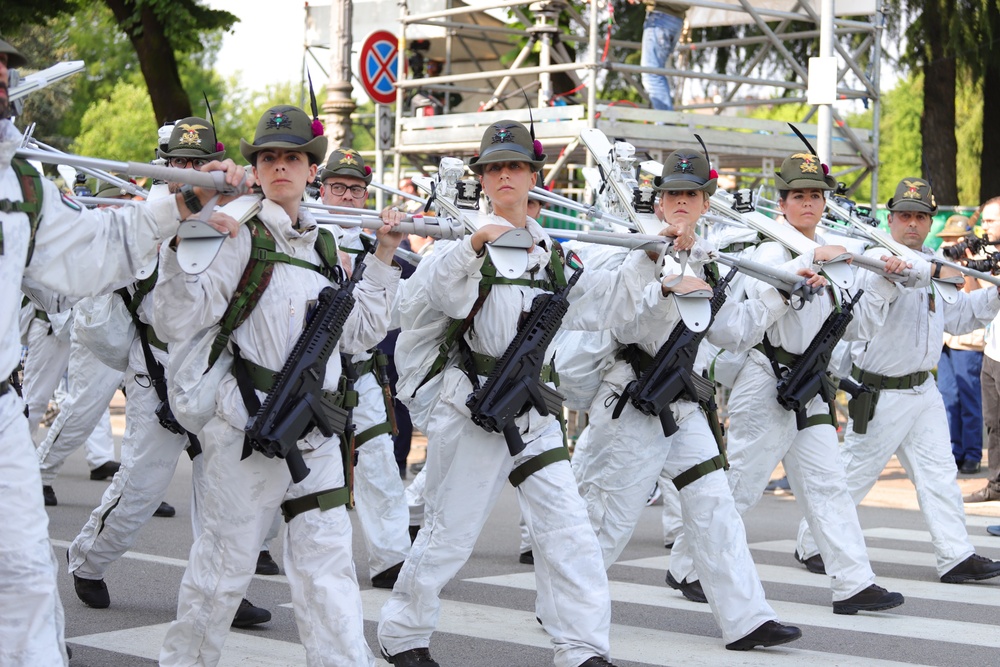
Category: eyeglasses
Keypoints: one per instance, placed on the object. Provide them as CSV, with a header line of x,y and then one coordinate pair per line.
x,y
357,191
183,162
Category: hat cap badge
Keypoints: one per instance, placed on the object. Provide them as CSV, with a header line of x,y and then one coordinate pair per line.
x,y
190,137
278,121
502,135
912,189
684,166
810,163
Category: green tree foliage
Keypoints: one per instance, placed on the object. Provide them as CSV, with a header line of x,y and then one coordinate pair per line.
x,y
122,127
162,34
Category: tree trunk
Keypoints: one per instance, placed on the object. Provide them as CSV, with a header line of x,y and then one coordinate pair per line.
x,y
937,125
156,60
989,162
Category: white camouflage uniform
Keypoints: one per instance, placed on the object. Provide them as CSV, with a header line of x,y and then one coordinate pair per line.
x,y
911,423
241,496
467,467
762,433
77,252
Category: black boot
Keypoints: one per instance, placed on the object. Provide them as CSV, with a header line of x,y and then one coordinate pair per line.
x,y
873,598
105,470
92,592
266,564
415,657
49,494
388,578
165,510
692,591
248,615
770,633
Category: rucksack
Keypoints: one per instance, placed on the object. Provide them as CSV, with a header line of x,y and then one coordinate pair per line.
x,y
31,204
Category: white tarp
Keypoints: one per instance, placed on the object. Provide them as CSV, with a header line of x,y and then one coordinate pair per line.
x,y
704,16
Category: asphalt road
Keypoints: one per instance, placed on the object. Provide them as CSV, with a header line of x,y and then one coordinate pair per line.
x,y
487,618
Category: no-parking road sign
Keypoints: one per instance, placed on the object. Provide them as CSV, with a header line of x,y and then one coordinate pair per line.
x,y
378,61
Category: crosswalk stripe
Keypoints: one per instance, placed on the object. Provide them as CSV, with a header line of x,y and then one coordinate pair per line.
x,y
979,521
881,623
984,541
875,554
984,593
644,645
241,648
174,562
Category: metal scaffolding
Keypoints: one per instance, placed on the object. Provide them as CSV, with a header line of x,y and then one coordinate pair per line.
x,y
745,147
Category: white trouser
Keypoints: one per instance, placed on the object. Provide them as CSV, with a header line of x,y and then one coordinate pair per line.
x,y
92,384
623,459
31,632
912,425
672,520
198,492
48,356
466,470
378,489
149,458
762,433
237,508
414,495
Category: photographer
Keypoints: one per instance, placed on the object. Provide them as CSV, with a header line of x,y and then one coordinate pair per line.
x,y
962,361
989,219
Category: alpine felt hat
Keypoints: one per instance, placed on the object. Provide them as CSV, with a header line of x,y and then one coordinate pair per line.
x,y
508,141
14,57
192,137
913,194
346,162
687,170
803,171
286,126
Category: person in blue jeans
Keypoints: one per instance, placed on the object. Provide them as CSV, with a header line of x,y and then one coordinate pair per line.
x,y
958,376
660,32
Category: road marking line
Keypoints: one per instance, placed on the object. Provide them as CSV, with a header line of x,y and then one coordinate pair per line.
x,y
882,623
241,648
984,541
984,593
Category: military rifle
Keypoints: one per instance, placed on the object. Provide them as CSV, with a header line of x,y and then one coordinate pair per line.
x,y
671,375
515,385
297,402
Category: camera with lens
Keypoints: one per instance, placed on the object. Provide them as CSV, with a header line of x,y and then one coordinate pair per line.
x,y
991,264
167,419
80,188
971,242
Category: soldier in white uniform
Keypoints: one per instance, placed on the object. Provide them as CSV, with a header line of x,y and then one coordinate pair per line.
x,y
907,414
762,433
243,492
467,467
77,253
378,490
628,449
153,440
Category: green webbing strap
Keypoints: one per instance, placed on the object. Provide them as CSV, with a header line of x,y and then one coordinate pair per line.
x,y
365,367
263,380
826,418
878,382
700,470
457,328
321,500
536,463
30,204
781,355
371,432
257,275
485,365
42,315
